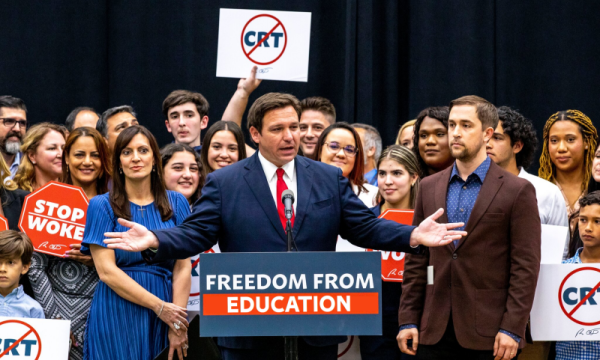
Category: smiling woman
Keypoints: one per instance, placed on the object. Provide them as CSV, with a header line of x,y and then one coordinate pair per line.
x,y
43,146
569,146
223,146
183,170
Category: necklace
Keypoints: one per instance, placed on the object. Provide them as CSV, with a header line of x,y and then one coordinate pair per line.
x,y
142,210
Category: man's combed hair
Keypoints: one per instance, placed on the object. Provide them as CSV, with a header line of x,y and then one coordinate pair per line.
x,y
70,122
321,105
14,244
518,128
102,125
180,97
372,139
268,102
485,110
12,102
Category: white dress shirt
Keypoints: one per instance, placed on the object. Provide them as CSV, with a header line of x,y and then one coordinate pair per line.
x,y
551,204
289,177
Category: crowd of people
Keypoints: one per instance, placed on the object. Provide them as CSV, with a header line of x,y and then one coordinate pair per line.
x,y
469,158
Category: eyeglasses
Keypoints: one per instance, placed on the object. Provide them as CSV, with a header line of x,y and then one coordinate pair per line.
x,y
10,122
335,147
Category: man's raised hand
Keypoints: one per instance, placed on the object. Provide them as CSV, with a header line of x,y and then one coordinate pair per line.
x,y
430,233
136,239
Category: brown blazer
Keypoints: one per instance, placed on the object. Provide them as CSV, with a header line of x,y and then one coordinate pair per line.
x,y
488,281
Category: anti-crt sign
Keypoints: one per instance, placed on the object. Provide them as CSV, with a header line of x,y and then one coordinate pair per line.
x,y
277,42
281,294
34,339
567,303
54,217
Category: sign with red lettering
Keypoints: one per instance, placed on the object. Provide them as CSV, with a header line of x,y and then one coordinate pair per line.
x,y
392,263
54,217
22,338
3,223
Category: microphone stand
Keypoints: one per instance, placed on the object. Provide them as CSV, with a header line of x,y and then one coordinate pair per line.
x,y
290,342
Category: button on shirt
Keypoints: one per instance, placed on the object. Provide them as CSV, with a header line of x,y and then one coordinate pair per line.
x,y
577,350
19,304
462,194
289,177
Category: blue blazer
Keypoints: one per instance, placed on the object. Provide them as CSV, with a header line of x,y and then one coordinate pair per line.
x,y
237,210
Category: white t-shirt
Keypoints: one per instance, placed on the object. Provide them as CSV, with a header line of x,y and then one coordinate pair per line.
x,y
551,204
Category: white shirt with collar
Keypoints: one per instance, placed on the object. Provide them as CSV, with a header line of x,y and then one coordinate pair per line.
x,y
550,201
289,177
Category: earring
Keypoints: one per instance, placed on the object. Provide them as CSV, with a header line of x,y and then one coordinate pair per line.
x,y
120,170
154,168
33,162
67,168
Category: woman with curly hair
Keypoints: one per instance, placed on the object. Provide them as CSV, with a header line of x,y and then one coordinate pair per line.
x,y
569,145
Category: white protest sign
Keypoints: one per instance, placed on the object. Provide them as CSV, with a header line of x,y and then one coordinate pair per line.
x,y
553,243
567,303
193,306
34,339
277,42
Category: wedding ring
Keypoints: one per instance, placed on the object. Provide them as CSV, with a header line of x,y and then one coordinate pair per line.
x,y
176,325
185,346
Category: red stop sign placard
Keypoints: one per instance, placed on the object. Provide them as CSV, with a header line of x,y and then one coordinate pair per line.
x,y
3,223
54,217
392,263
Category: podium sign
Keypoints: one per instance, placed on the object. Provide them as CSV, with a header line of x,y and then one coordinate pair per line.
x,y
288,294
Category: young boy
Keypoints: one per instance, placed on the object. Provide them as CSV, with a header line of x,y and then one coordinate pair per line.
x,y
589,232
15,258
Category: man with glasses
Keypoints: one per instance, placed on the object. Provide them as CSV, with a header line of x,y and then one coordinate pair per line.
x,y
372,145
13,125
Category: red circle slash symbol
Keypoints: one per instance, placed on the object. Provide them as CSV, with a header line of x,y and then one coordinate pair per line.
x,y
570,314
28,331
264,38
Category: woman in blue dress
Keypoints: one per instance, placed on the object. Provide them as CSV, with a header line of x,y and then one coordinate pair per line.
x,y
398,182
138,309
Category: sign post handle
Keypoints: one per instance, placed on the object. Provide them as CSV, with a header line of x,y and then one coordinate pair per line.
x,y
290,342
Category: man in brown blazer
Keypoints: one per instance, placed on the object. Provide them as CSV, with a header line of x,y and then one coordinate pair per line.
x,y
471,299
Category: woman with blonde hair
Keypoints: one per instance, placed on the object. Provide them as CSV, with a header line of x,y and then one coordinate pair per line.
x,y
42,150
406,134
570,141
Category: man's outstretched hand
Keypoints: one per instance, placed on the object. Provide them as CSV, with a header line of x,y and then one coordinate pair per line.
x,y
136,239
430,233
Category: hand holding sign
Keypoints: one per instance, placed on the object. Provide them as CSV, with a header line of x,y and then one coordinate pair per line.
x,y
54,217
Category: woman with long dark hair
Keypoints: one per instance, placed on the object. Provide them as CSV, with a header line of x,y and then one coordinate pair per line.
x,y
223,145
138,309
431,140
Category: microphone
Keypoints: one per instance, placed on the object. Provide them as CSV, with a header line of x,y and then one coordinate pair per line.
x,y
287,198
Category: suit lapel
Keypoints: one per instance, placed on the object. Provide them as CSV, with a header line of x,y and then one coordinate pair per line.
x,y
255,177
304,175
441,193
492,183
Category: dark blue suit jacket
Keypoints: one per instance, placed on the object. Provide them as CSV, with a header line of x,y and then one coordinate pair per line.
x,y
237,210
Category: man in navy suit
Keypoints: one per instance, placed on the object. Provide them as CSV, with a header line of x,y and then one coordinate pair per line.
x,y
240,208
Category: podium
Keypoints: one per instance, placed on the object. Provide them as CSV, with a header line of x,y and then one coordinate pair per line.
x,y
290,294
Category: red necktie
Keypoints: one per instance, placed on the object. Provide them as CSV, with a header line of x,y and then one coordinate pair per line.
x,y
281,187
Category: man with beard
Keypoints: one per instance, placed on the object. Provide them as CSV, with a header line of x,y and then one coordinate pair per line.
x,y
13,115
471,299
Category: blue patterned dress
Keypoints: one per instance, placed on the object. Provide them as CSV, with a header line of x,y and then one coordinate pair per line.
x,y
117,328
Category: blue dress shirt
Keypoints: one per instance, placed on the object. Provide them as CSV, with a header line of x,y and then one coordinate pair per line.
x,y
371,177
19,304
460,201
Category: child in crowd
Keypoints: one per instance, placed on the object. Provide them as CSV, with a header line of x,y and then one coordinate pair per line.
x,y
588,227
15,258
